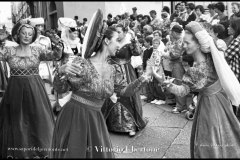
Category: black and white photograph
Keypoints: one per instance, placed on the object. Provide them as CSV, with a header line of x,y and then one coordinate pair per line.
x,y
119,79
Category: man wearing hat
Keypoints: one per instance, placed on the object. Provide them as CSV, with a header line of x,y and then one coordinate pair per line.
x,y
45,71
134,15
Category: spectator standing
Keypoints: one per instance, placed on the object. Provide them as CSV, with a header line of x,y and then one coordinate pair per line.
x,y
191,15
216,32
201,17
235,10
134,15
166,24
157,92
183,11
175,50
146,55
84,26
156,22
223,19
232,52
109,19
213,19
147,19
176,12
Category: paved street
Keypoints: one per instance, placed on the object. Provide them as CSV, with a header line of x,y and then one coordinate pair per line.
x,y
166,135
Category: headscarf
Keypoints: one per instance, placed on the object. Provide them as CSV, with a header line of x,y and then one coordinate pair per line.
x,y
65,25
226,76
19,25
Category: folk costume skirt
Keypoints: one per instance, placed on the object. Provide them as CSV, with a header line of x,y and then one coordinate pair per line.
x,y
26,119
216,130
81,130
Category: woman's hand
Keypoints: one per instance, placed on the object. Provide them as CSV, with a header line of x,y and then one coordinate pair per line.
x,y
70,69
149,71
167,82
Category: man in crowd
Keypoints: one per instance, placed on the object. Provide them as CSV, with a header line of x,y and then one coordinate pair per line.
x,y
183,11
156,22
134,15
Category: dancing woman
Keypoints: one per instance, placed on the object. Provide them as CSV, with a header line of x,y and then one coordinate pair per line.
x,y
216,130
26,118
81,128
126,115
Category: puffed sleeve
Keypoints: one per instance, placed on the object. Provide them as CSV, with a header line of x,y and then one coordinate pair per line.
x,y
4,53
120,85
63,83
193,80
49,55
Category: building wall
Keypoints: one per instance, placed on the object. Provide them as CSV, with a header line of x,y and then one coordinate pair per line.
x,y
48,17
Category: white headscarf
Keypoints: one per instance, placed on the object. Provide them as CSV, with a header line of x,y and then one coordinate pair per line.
x,y
64,25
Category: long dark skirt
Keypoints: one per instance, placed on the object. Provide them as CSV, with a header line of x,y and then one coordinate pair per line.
x,y
215,130
26,119
81,132
126,115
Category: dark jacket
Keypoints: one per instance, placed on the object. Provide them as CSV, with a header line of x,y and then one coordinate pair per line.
x,y
190,18
174,15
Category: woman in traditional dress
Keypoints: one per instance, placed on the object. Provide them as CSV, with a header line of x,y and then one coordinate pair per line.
x,y
215,130
126,115
81,127
26,117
